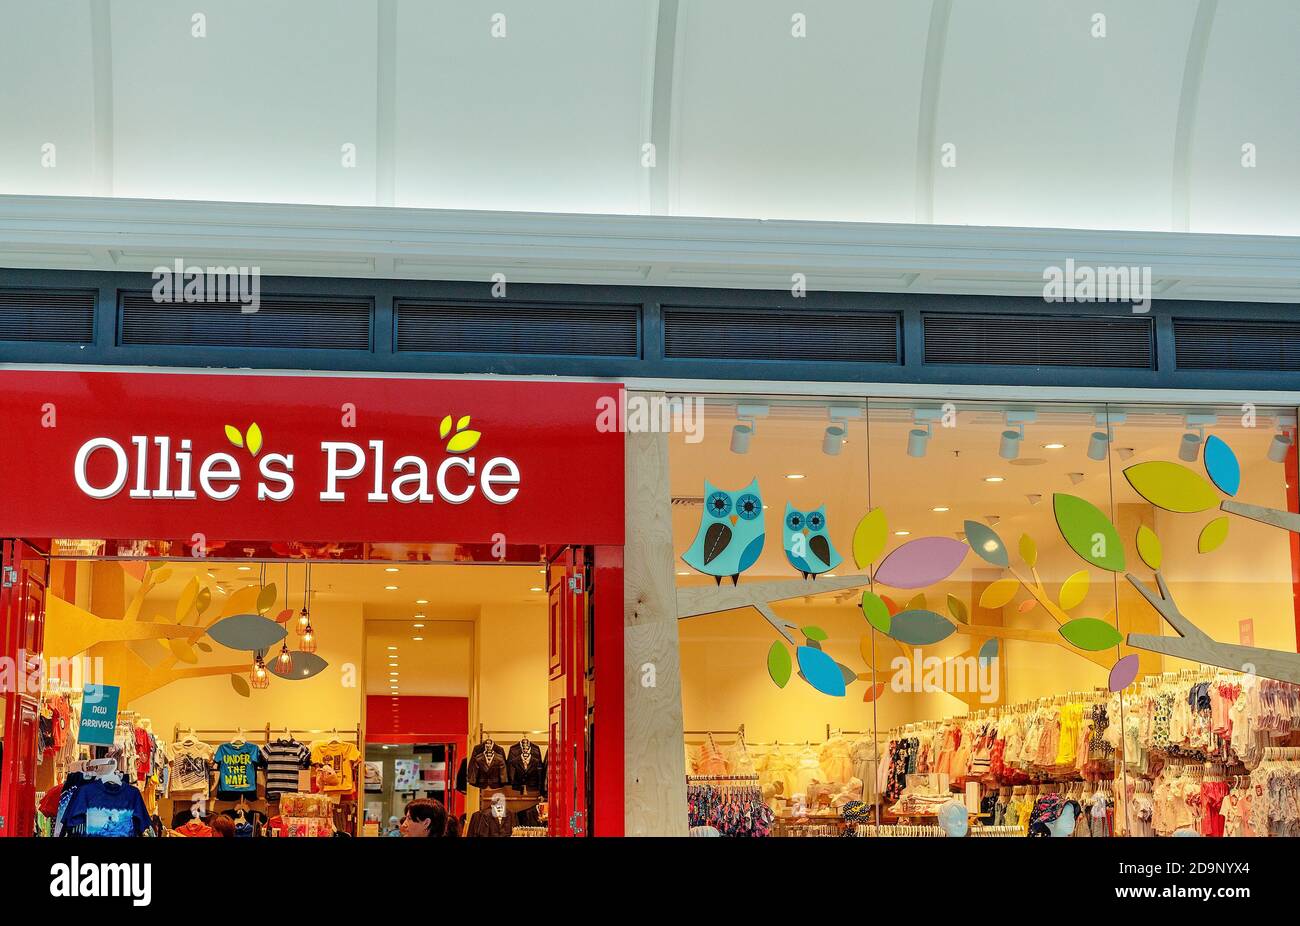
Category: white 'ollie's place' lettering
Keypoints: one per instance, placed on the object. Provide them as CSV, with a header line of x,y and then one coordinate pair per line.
x,y
167,475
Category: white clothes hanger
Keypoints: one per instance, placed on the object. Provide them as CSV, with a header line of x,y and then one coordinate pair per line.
x,y
239,737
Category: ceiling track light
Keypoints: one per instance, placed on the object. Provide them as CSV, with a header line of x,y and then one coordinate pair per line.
x,y
1283,440
1189,447
918,439
838,429
1014,435
743,431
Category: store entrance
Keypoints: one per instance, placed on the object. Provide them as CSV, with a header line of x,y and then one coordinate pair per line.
x,y
352,687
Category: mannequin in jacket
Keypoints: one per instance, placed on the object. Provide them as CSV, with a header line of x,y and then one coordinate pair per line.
x,y
487,765
525,769
494,821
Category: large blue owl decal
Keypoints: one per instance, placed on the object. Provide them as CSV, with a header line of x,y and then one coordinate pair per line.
x,y
730,537
807,545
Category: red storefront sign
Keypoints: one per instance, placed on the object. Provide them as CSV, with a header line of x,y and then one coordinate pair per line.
x,y
341,459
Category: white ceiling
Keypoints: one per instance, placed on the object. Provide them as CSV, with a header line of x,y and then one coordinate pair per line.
x,y
1141,130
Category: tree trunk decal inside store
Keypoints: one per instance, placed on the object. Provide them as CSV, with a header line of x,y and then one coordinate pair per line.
x,y
141,656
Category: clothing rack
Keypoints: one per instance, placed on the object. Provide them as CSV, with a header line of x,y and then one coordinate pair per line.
x,y
996,831
873,830
706,779
250,735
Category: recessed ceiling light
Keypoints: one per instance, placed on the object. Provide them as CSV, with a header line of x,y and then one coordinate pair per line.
x,y
535,588
417,639
422,601
794,475
940,508
245,568
901,533
390,569
392,647
417,626
1053,446
683,573
829,575
541,572
992,478
392,674
390,588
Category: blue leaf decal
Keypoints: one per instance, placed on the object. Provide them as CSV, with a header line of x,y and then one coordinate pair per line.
x,y
1221,463
986,544
821,671
920,628
989,651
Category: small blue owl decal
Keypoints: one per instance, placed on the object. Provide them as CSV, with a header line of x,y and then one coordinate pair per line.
x,y
807,545
731,533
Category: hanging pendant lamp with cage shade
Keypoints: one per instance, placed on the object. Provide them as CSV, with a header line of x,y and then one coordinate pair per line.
x,y
304,618
260,677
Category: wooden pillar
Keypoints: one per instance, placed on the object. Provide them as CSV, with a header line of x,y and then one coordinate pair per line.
x,y
653,752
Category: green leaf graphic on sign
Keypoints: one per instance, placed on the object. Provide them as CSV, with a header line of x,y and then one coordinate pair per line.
x,y
1171,486
875,611
779,664
1088,532
1091,634
1148,545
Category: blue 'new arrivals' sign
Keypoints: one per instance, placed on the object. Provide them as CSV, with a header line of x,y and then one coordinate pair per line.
x,y
98,715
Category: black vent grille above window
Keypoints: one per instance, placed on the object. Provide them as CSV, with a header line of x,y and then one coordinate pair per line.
x,y
51,316
512,328
1040,340
1236,345
848,337
280,322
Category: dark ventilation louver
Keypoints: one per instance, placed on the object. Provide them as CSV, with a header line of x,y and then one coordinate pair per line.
x,y
1039,340
847,337
512,328
50,316
1236,345
279,322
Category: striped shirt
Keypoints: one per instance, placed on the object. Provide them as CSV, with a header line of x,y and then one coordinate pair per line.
x,y
284,758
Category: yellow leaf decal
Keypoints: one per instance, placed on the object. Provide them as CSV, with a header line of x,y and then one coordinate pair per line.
x,y
957,608
1171,486
203,600
917,603
463,423
160,576
243,601
182,650
240,684
463,441
445,427
254,438
1028,550
1213,535
266,598
1148,545
233,435
1074,590
999,593
869,538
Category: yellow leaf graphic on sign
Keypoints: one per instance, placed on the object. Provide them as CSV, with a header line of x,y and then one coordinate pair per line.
x,y
463,423
445,427
1074,590
254,438
233,435
1148,545
999,593
465,440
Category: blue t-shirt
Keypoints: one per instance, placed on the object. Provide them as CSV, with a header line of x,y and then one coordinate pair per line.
x,y
238,767
106,809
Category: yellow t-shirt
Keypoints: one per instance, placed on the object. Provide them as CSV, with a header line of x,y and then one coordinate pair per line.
x,y
335,760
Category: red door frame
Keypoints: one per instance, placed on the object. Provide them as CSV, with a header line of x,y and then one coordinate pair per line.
x,y
546,427
22,617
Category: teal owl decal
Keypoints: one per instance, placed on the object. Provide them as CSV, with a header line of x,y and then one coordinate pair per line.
x,y
731,533
807,545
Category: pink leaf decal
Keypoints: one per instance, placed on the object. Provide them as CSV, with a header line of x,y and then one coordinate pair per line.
x,y
1123,673
922,562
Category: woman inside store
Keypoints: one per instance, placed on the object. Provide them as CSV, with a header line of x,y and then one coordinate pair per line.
x,y
424,817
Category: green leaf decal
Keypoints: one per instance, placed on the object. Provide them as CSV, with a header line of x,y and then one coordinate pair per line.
x,y
1213,535
957,608
1091,634
1171,486
1088,532
779,664
1028,550
875,611
814,633
1148,545
869,538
